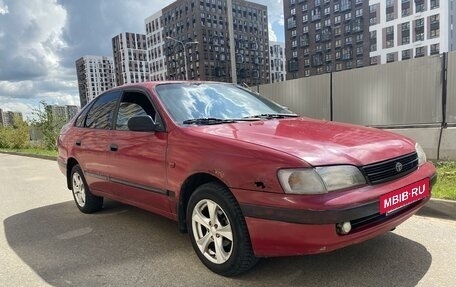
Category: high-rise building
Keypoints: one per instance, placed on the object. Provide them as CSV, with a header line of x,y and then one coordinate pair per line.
x,y
62,113
7,117
95,75
278,60
401,30
155,54
130,58
325,35
206,22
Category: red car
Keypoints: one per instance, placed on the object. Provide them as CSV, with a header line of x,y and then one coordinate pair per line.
x,y
243,175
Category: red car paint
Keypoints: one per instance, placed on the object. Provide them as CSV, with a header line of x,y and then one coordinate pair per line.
x,y
245,156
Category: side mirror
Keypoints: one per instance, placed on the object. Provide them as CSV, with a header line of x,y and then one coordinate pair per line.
x,y
141,124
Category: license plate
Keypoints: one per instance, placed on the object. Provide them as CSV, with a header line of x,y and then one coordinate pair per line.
x,y
404,196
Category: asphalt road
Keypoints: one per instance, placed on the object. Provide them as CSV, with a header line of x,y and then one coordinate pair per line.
x,y
45,241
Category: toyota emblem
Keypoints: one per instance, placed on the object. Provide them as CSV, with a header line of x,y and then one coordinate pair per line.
x,y
398,166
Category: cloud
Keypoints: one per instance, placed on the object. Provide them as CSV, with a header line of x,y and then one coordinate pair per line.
x,y
33,48
272,34
40,41
3,8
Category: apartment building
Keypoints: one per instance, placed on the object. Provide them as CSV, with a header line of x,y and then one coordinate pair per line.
x,y
64,113
95,75
325,35
405,29
130,58
206,22
7,117
154,43
278,60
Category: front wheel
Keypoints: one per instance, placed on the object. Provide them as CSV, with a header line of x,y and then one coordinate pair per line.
x,y
84,199
218,231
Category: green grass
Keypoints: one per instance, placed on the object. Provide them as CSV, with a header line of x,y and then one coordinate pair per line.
x,y
445,187
34,151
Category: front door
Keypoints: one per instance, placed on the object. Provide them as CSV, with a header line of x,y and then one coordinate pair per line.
x,y
137,159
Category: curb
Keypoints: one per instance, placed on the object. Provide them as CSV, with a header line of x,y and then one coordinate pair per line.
x,y
439,208
47,157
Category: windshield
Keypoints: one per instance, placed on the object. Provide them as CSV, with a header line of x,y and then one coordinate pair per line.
x,y
189,101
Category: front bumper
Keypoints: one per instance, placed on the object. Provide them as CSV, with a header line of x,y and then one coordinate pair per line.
x,y
283,225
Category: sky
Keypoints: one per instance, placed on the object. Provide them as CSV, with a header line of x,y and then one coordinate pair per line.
x,y
40,41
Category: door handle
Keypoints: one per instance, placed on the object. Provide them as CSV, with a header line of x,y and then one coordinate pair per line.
x,y
113,147
78,142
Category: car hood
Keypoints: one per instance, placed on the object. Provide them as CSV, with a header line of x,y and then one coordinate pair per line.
x,y
316,142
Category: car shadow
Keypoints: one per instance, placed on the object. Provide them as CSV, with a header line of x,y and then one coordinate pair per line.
x,y
126,246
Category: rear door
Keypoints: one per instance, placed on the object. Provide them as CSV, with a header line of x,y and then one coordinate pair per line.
x,y
137,159
91,141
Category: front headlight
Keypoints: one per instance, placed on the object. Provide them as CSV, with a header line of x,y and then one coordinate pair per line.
x,y
421,154
320,180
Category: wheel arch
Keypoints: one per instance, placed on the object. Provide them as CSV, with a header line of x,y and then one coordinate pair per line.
x,y
71,162
187,189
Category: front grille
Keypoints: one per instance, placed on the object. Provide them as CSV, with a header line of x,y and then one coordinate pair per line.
x,y
387,170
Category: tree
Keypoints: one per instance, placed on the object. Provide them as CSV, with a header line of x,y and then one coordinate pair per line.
x,y
48,124
16,136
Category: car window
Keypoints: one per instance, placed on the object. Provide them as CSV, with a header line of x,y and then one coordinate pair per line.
x,y
101,113
133,104
80,121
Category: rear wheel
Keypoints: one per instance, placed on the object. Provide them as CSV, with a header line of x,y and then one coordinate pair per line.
x,y
84,199
218,231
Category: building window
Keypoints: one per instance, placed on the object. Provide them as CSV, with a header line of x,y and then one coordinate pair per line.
x,y
306,62
419,30
359,12
293,11
373,60
435,26
419,6
336,7
390,57
359,63
307,73
435,4
328,10
419,52
318,26
373,8
305,29
372,21
390,37
305,18
373,47
337,19
435,49
338,43
405,54
348,16
338,66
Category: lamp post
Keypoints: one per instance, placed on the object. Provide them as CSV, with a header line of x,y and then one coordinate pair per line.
x,y
184,45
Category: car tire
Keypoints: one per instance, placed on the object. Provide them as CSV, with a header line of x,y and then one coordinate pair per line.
x,y
218,231
84,199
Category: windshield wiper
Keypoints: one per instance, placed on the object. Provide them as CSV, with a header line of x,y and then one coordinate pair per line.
x,y
272,116
207,121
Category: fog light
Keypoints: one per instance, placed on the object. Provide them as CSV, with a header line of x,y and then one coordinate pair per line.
x,y
343,227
